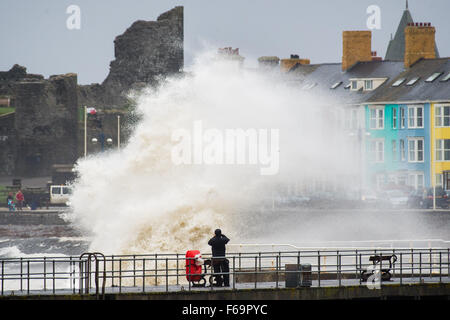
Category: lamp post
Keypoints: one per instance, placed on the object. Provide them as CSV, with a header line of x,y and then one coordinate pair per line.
x,y
85,131
118,132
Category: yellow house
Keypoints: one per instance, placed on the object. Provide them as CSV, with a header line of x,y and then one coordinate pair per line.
x,y
440,143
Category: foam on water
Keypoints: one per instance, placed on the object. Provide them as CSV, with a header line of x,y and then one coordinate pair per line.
x,y
138,201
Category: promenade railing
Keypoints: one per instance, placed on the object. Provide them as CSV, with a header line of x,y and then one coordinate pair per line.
x,y
95,273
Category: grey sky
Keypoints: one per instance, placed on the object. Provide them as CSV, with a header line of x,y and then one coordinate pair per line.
x,y
34,33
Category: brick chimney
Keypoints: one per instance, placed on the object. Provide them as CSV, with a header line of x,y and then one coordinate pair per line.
x,y
419,42
356,46
287,64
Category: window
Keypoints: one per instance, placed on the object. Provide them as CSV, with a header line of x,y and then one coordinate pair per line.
x,y
56,190
415,148
412,81
394,150
376,150
337,84
442,150
402,118
433,77
394,118
402,150
442,116
415,117
377,118
398,82
446,78
380,181
415,180
354,85
439,180
368,84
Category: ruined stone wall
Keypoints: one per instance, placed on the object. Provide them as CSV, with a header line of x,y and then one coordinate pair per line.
x,y
46,128
46,124
7,138
145,51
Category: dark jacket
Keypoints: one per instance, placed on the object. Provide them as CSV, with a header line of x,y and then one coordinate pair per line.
x,y
217,244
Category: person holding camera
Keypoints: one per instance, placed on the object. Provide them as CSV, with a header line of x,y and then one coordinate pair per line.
x,y
219,262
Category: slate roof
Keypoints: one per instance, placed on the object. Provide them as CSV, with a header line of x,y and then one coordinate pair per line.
x,y
319,78
421,90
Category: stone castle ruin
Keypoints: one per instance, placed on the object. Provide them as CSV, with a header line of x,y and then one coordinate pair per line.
x,y
46,125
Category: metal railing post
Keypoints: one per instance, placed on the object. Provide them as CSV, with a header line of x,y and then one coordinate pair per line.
x,y
318,267
256,271
112,271
45,274
401,268
420,267
431,263
167,275
120,275
234,272
28,276
54,277
440,267
259,256
134,270
143,275
276,266
21,274
156,269
360,267
3,275
177,270
340,275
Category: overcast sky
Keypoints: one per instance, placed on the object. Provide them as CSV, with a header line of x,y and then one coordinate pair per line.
x,y
34,33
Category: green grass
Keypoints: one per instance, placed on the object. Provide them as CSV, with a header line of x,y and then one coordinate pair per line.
x,y
4,110
3,195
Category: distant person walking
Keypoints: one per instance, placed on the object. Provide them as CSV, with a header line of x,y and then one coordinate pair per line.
x,y
19,200
10,202
219,262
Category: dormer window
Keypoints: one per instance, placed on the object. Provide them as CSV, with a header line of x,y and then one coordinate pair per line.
x,y
366,84
433,77
337,84
446,78
412,81
398,82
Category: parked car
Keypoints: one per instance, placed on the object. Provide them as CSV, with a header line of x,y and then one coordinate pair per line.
x,y
416,199
369,198
59,194
424,199
396,198
441,198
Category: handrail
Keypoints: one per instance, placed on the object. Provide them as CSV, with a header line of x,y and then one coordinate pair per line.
x,y
166,272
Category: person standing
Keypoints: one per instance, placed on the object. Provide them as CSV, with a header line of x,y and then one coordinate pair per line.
x,y
10,202
19,200
219,262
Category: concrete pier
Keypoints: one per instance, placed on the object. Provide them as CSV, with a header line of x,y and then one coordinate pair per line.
x,y
31,217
